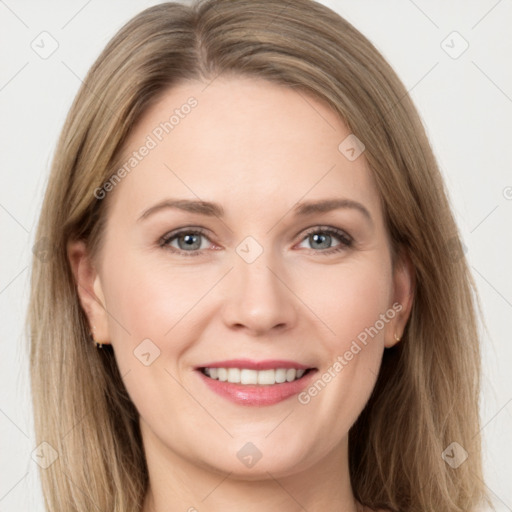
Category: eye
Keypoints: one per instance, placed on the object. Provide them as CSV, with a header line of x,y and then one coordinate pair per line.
x,y
189,241
322,237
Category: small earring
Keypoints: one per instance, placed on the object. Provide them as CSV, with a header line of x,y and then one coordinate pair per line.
x,y
397,338
98,344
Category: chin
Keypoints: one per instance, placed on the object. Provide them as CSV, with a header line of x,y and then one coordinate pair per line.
x,y
251,464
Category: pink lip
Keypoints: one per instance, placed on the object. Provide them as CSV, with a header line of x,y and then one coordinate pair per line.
x,y
255,365
257,395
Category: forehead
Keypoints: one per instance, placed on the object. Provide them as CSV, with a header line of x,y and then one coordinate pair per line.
x,y
244,141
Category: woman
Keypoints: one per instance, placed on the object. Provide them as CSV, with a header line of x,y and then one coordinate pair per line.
x,y
266,372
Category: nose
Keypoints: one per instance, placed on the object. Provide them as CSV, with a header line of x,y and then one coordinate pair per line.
x,y
259,299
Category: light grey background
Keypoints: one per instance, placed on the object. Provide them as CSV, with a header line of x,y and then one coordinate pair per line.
x,y
465,103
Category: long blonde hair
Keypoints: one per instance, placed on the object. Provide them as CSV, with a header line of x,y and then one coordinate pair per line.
x,y
427,393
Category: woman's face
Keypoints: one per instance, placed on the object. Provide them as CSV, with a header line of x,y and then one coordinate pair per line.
x,y
247,235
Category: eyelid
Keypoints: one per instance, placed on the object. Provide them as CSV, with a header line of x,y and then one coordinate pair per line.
x,y
328,229
346,239
165,240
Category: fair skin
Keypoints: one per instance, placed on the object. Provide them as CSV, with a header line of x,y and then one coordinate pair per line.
x,y
256,149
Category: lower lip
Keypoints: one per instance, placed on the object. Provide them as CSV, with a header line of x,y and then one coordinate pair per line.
x,y
257,395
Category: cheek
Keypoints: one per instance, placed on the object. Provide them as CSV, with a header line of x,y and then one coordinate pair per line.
x,y
356,300
348,298
150,300
157,309
153,316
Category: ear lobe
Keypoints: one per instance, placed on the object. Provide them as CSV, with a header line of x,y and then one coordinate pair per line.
x,y
404,284
89,289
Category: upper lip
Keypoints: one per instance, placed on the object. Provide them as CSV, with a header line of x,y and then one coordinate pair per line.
x,y
250,364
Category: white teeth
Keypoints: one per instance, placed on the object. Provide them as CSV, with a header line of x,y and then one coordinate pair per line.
x,y
246,376
280,375
234,375
267,377
290,374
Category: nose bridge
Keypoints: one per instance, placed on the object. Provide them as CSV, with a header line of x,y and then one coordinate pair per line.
x,y
257,299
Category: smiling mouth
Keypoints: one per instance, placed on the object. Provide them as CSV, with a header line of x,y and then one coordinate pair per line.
x,y
246,376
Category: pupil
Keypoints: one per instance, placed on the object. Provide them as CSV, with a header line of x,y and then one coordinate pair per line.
x,y
326,239
190,240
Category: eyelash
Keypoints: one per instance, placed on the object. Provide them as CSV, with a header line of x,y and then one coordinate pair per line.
x,y
346,240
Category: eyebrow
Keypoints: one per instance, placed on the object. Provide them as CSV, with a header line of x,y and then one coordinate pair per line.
x,y
211,209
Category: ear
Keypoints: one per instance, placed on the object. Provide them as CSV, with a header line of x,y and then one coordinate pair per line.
x,y
403,295
89,290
